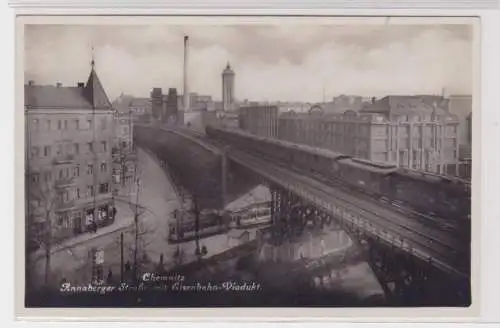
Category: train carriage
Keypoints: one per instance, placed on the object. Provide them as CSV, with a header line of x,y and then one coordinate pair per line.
x,y
367,176
431,193
417,190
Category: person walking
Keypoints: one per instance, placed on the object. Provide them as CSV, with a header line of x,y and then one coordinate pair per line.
x,y
109,279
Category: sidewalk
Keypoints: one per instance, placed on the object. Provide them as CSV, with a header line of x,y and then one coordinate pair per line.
x,y
124,220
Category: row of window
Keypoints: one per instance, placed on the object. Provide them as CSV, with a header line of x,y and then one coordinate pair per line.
x,y
69,195
75,124
77,193
64,173
68,149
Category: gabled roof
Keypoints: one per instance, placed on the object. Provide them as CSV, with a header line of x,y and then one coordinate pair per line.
x,y
49,96
94,92
122,103
89,96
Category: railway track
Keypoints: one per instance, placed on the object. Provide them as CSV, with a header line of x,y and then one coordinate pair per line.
x,y
434,247
400,220
434,221
360,195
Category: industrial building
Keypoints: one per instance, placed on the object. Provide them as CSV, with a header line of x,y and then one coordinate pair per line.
x,y
409,131
261,120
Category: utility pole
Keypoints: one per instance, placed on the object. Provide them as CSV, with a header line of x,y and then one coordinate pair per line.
x,y
94,165
136,223
196,224
121,257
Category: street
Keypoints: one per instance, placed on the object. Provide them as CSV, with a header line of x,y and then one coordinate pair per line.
x,y
71,260
157,196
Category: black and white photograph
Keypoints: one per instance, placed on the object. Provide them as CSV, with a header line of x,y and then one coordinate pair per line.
x,y
249,164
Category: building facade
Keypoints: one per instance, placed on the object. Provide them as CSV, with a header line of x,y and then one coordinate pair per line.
x,y
259,120
461,106
404,130
228,88
138,108
469,129
157,104
123,151
69,135
171,105
167,108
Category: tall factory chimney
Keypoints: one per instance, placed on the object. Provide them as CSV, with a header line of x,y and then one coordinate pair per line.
x,y
186,62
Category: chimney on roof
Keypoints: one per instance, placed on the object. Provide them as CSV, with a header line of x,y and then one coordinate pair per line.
x,y
81,84
31,82
58,84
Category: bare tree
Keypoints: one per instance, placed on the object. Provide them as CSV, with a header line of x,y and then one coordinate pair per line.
x,y
121,159
43,202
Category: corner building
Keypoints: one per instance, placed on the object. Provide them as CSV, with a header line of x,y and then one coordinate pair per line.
x,y
69,136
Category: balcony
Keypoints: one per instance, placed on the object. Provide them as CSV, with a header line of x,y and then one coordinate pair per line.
x,y
64,183
66,159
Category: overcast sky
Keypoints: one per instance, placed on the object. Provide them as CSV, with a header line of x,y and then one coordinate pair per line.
x,y
294,63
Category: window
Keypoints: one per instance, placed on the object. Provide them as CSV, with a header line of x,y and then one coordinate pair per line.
x,y
124,144
77,148
77,124
49,127
59,124
90,147
35,124
90,169
77,193
46,151
90,191
59,150
89,123
35,177
104,146
35,151
76,171
66,196
60,174
65,124
103,188
104,167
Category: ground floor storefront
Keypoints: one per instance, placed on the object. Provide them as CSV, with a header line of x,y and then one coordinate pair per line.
x,y
76,221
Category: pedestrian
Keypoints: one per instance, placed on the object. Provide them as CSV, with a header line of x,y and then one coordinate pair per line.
x,y
110,277
114,212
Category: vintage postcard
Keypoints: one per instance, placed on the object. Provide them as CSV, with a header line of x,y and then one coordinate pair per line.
x,y
286,162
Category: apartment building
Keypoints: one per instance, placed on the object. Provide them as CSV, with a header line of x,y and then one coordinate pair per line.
x,y
69,135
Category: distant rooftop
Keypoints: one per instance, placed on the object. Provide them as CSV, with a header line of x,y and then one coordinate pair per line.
x,y
408,105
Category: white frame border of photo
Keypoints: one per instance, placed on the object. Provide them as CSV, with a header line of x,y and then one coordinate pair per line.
x,y
251,314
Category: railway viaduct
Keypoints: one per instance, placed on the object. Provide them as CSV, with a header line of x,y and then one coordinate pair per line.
x,y
414,264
